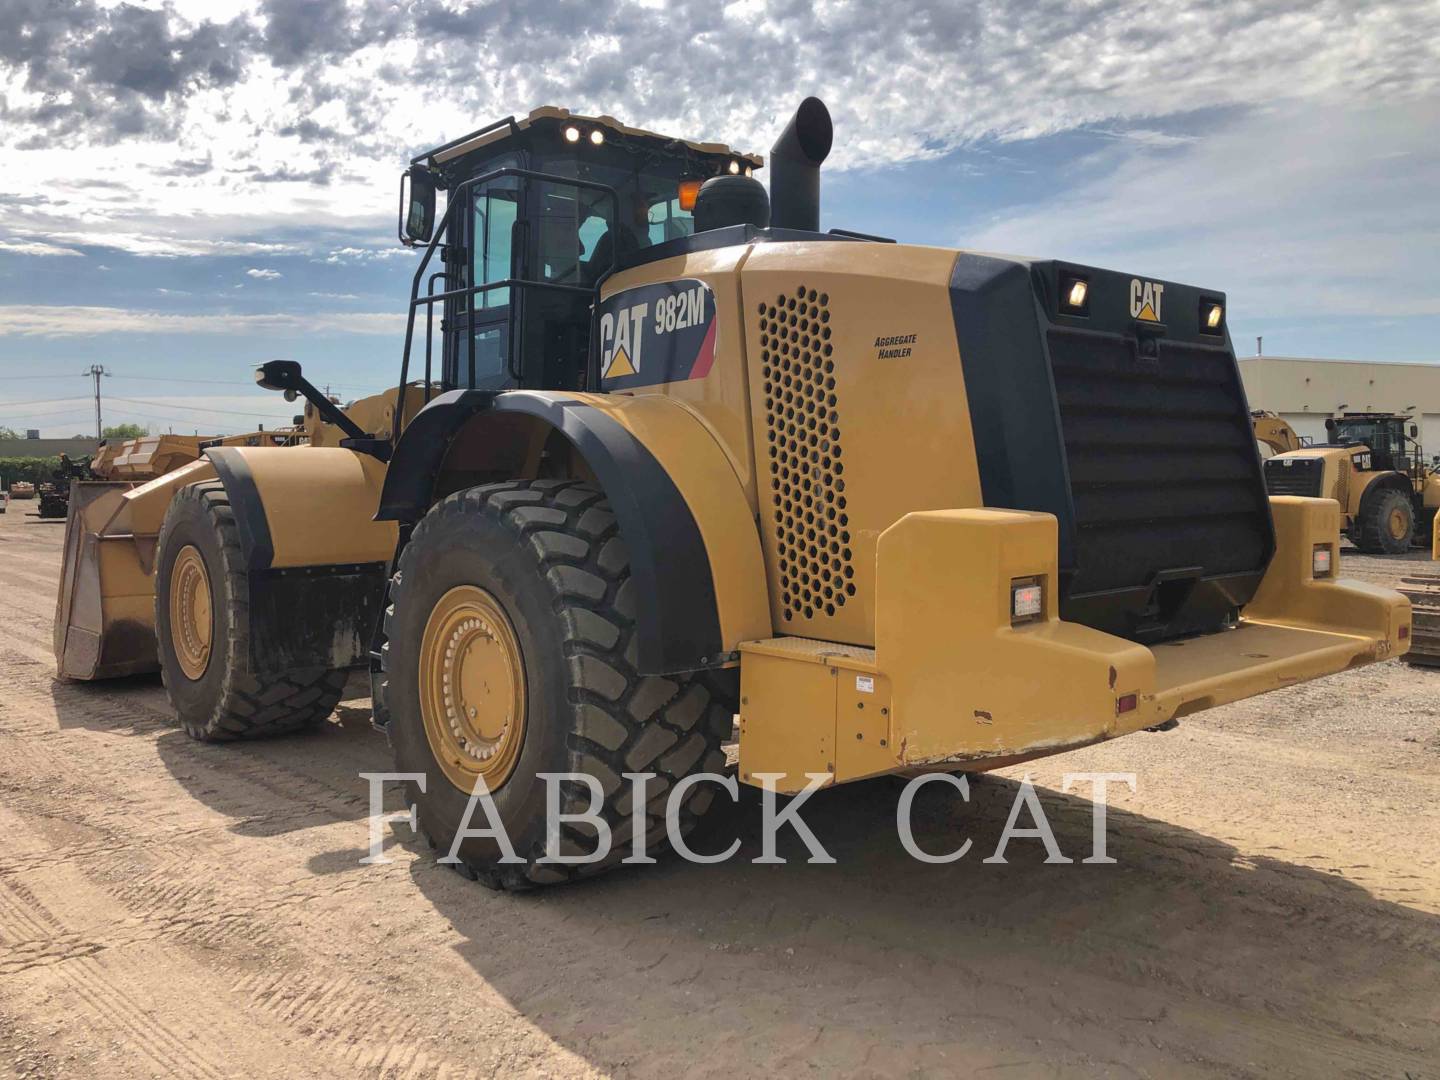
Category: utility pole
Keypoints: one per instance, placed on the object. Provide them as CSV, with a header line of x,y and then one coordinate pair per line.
x,y
96,370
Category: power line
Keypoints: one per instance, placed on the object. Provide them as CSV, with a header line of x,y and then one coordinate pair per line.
x,y
41,412
192,408
44,401
205,382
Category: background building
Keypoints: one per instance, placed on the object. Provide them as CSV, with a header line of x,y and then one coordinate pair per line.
x,y
1305,390
46,448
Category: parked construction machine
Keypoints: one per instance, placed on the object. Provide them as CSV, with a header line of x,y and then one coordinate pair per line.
x,y
1373,465
55,492
662,451
1274,433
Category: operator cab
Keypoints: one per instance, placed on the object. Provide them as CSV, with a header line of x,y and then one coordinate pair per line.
x,y
1392,438
539,212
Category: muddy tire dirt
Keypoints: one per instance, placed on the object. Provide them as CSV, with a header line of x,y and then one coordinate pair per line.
x,y
202,620
525,587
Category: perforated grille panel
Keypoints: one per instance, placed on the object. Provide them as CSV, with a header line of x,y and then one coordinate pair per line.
x,y
807,483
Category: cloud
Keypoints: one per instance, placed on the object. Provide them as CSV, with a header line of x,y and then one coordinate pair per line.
x,y
263,274
1294,211
161,242
56,321
928,77
111,71
348,255
193,167
321,175
34,247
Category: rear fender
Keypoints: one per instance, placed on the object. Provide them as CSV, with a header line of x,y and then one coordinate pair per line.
x,y
691,533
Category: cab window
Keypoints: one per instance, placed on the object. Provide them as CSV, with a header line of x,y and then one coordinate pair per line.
x,y
668,221
496,208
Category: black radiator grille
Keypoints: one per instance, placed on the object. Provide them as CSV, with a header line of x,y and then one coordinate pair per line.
x,y
1162,461
1295,476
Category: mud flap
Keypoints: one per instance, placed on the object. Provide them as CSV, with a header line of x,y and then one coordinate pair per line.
x,y
340,604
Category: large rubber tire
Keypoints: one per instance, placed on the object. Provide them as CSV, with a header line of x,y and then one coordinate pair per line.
x,y
230,700
550,554
1375,534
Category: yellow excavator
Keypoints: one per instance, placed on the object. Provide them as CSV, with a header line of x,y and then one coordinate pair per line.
x,y
663,451
1275,433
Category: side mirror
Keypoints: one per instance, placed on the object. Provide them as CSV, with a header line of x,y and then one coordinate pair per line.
x,y
417,205
280,375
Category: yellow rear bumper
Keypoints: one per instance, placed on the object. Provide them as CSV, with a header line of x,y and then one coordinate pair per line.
x,y
951,682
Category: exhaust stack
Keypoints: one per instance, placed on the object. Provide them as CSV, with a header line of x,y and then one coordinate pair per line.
x,y
795,161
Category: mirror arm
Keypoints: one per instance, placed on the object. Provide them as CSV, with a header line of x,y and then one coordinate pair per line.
x,y
285,375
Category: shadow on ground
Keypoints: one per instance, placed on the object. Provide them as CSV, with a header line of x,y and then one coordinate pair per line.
x,y
284,784
879,964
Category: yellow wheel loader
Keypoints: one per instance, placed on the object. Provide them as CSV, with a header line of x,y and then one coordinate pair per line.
x,y
1373,466
667,452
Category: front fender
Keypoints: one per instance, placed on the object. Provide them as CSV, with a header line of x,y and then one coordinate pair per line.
x,y
693,542
305,506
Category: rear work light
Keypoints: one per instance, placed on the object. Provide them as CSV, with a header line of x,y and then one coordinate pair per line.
x,y
1212,316
1322,561
1027,600
1074,295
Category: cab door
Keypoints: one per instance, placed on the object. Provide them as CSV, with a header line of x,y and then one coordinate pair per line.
x,y
479,327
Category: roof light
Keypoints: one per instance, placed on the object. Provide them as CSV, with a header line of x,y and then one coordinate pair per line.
x,y
734,168
689,190
597,136
749,171
572,134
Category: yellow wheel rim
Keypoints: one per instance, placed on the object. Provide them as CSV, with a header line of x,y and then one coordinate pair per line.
x,y
191,612
472,688
1398,524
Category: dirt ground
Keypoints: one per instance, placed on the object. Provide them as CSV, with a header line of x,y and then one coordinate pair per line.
x,y
171,908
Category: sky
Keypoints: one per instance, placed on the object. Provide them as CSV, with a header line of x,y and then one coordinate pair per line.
x,y
190,189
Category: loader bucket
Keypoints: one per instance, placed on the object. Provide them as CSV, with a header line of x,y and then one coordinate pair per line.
x,y
105,612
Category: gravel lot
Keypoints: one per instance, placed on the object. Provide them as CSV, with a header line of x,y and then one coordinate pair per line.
x,y
173,908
